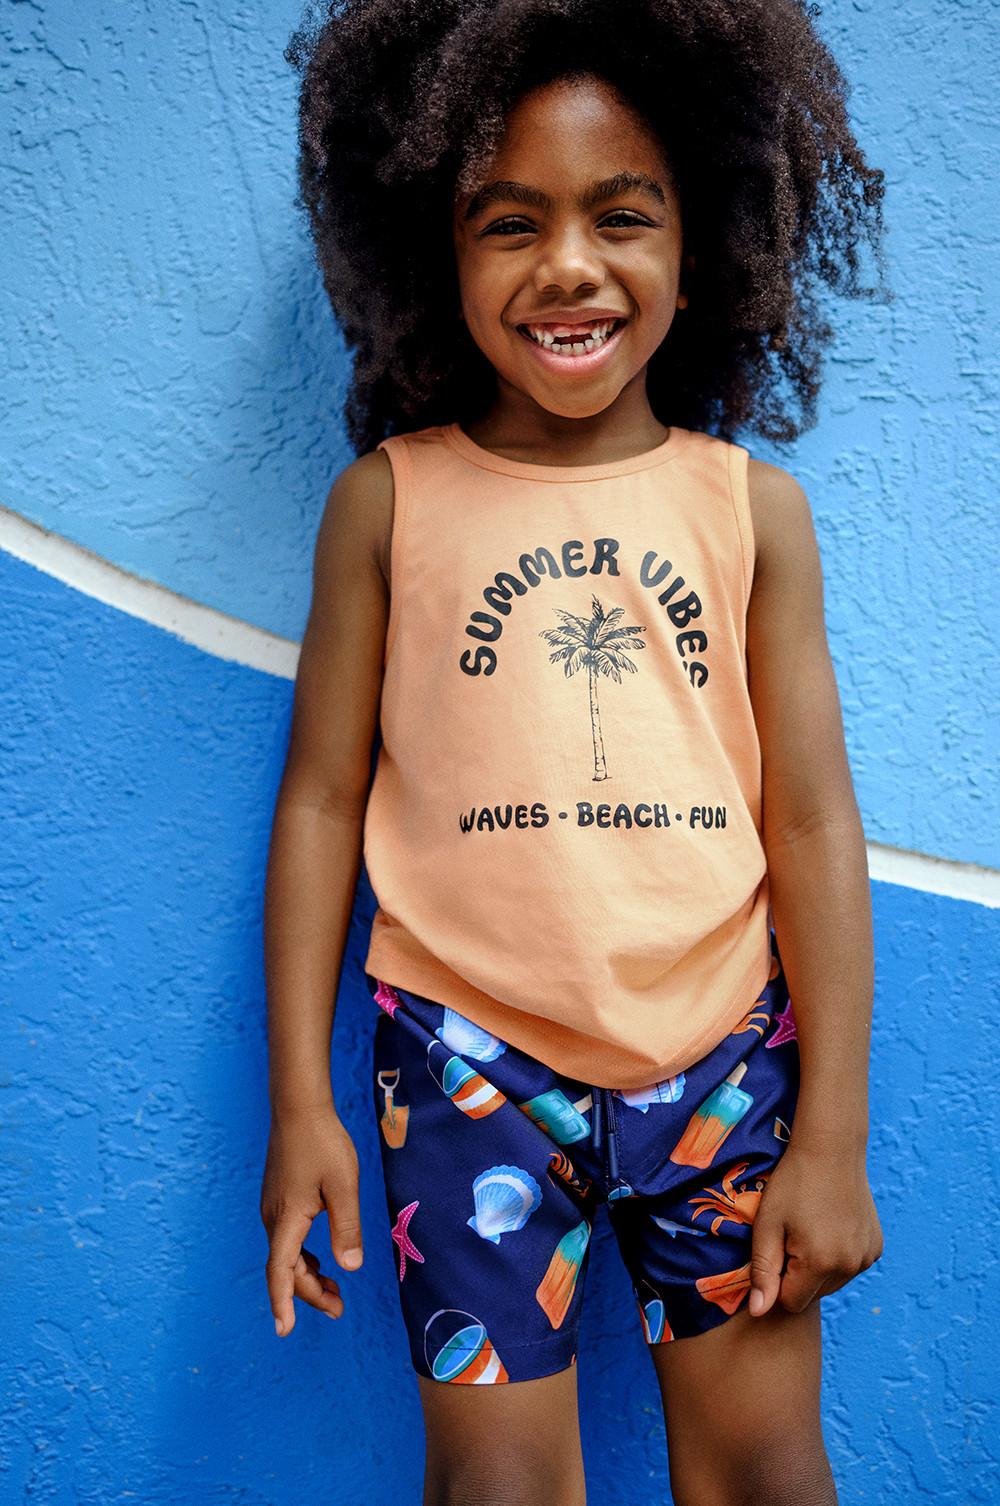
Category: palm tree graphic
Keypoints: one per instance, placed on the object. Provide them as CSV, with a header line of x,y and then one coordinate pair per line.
x,y
602,647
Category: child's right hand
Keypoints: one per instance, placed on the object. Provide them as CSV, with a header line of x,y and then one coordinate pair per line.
x,y
311,1163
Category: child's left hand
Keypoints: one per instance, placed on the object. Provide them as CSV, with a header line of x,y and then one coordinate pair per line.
x,y
817,1212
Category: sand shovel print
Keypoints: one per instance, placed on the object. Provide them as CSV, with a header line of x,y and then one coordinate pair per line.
x,y
395,1117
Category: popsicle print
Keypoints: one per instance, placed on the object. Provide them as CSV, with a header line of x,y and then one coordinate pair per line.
x,y
712,1121
555,1290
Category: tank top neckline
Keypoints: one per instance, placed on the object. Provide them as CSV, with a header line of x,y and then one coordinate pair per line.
x,y
461,443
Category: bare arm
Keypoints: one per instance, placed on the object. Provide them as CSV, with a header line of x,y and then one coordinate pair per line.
x,y
312,874
819,884
813,837
315,852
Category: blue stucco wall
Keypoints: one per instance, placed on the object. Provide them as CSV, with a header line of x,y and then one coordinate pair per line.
x,y
170,399
173,377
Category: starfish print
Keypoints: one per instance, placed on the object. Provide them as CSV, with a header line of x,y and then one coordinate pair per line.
x,y
402,1238
786,1027
387,997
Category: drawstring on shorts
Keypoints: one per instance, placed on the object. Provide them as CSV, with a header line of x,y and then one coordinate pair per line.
x,y
603,1112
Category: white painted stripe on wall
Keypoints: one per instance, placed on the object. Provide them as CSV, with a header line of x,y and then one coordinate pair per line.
x,y
915,870
239,642
214,632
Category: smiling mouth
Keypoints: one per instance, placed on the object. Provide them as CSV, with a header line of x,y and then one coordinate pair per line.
x,y
603,332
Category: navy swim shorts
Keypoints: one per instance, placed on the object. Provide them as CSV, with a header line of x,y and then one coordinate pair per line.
x,y
495,1164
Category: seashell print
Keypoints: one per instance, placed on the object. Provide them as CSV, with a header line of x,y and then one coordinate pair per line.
x,y
667,1091
505,1198
466,1039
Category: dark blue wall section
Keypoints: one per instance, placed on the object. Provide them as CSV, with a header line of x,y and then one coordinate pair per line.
x,y
139,776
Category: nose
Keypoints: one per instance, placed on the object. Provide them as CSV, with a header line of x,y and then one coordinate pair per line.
x,y
566,259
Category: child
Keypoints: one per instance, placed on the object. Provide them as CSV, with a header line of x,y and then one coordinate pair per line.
x,y
572,243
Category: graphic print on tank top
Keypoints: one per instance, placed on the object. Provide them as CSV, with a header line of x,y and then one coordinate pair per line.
x,y
602,647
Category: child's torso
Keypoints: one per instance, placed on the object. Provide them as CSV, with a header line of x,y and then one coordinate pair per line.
x,y
563,831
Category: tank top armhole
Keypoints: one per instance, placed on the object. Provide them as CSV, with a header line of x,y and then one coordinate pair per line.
x,y
399,459
739,490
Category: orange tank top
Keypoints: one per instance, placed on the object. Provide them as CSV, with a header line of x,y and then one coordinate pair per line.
x,y
563,831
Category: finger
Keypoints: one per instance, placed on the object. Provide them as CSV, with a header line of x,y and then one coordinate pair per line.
x,y
766,1261
312,1287
290,1230
838,1278
800,1285
328,1282
826,1287
344,1214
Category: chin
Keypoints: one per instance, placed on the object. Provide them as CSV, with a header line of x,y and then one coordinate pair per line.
x,y
582,406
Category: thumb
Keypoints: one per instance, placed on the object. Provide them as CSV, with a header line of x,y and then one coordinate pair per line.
x,y
345,1224
765,1264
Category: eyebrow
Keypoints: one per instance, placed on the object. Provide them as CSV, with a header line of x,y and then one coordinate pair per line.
x,y
507,190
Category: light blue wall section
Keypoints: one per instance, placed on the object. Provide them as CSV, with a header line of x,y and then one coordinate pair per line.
x,y
139,776
170,398
174,376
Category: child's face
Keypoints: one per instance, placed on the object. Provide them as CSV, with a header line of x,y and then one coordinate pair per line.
x,y
537,254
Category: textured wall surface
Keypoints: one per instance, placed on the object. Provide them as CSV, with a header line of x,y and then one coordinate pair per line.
x,y
173,377
170,399
138,779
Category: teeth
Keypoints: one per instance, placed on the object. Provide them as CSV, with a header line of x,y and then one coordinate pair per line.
x,y
568,345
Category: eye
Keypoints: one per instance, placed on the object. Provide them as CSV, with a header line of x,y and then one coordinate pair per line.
x,y
512,225
516,224
632,219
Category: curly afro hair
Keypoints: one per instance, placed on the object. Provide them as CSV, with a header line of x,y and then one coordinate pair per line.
x,y
402,103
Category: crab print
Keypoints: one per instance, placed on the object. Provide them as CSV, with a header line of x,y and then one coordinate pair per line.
x,y
738,1206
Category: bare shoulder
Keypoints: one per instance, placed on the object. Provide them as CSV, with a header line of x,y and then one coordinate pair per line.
x,y
360,508
338,679
781,516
